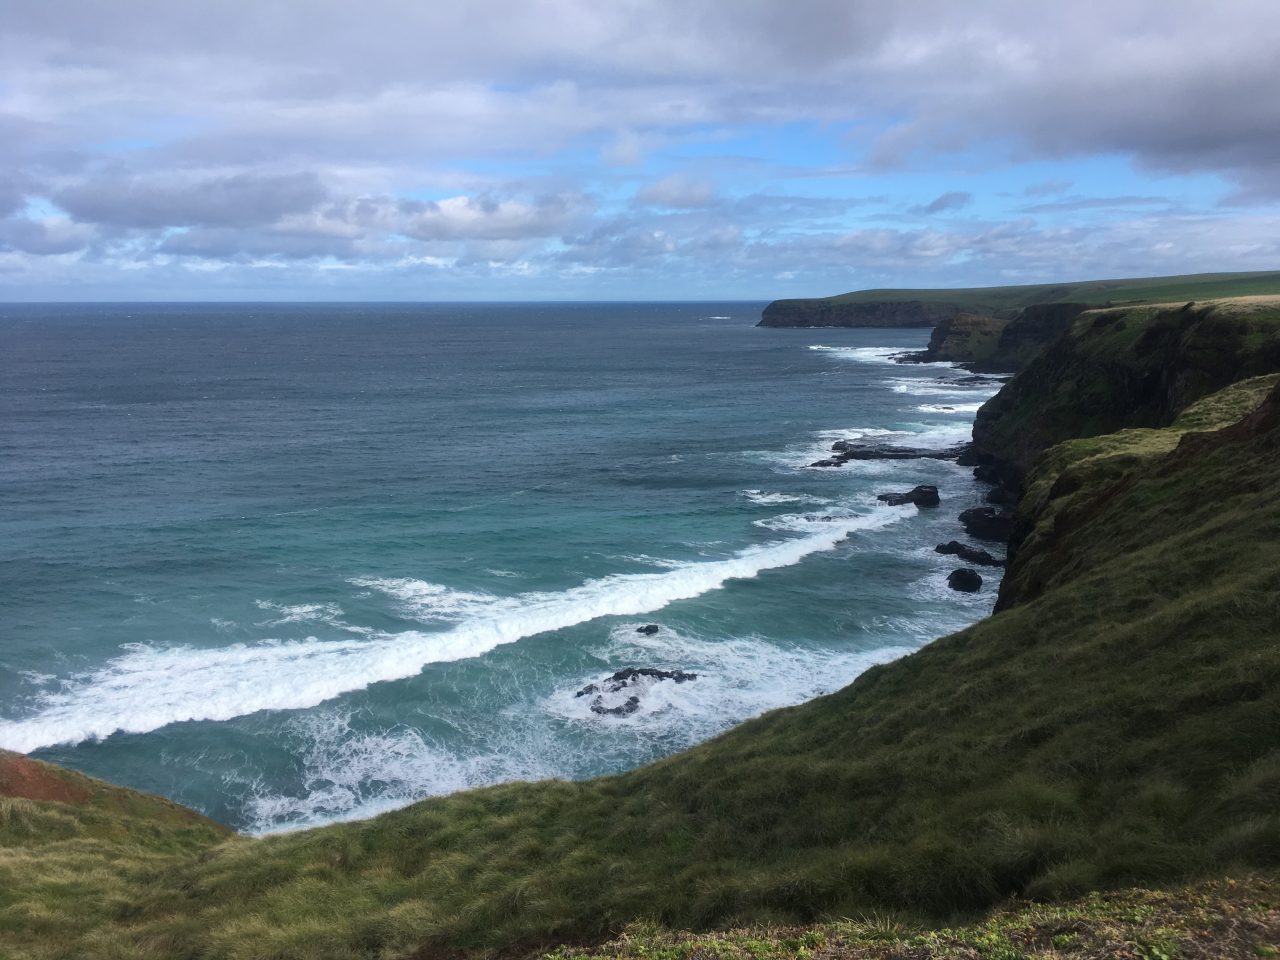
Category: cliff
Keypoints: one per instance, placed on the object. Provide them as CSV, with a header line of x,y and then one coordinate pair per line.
x,y
1129,367
925,307
1116,722
825,313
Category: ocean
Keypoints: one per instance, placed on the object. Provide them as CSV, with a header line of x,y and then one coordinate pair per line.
x,y
295,563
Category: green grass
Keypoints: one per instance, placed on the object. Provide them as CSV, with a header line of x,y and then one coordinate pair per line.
x,y
1199,286
1225,919
1117,724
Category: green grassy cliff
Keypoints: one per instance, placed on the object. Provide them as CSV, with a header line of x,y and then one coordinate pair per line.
x,y
1117,723
1127,367
926,307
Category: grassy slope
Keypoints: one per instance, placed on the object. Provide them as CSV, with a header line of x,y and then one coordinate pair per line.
x,y
77,853
1119,726
1201,286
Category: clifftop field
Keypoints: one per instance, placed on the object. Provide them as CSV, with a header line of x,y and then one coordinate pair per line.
x,y
1115,724
924,307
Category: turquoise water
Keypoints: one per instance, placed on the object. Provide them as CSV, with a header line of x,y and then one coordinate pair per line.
x,y
296,563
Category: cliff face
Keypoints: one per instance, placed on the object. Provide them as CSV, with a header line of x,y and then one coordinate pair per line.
x,y
829,313
964,338
1027,334
1130,367
997,344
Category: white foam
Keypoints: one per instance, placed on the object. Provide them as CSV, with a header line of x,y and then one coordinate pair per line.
x,y
429,602
863,354
952,408
300,612
771,499
151,686
348,775
931,435
926,387
800,522
737,679
327,613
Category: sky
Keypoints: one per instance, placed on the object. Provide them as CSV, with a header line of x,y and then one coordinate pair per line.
x,y
628,149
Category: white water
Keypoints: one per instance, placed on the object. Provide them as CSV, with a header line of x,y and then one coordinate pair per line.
x,y
351,775
150,687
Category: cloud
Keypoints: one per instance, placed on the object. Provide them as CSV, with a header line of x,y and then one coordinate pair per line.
x,y
546,132
487,218
1047,188
239,200
1070,204
679,192
951,200
43,237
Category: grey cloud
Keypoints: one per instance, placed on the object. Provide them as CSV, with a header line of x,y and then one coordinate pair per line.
x,y
1179,84
1094,203
490,218
951,200
239,200
678,192
1047,188
43,237
217,243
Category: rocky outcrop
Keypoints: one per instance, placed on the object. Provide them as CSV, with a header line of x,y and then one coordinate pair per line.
x,y
968,554
986,523
843,451
837,313
922,496
964,580
629,679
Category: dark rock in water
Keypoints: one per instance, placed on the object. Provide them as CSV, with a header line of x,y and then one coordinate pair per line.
x,y
846,450
921,496
649,629
629,706
969,554
999,496
986,523
628,677
986,473
964,580
631,674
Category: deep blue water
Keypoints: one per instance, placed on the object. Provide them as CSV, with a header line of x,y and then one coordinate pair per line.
x,y
292,563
